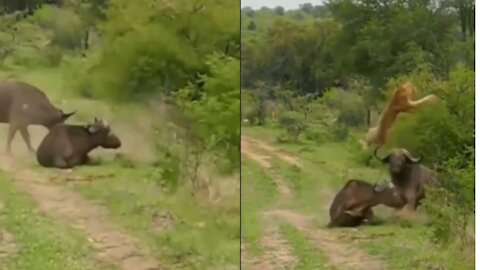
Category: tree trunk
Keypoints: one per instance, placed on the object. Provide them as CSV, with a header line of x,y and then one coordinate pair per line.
x,y
368,117
463,21
471,21
86,39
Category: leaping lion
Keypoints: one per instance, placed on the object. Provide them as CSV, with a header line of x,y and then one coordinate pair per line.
x,y
400,101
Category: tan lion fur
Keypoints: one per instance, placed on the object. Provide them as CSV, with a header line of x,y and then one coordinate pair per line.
x,y
400,101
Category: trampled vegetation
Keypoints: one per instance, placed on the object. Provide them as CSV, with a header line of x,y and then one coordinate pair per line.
x,y
166,75
317,78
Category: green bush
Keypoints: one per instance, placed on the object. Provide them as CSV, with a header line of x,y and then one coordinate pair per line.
x,y
452,205
135,64
253,106
349,107
340,131
316,136
167,173
215,114
64,25
293,123
53,55
140,64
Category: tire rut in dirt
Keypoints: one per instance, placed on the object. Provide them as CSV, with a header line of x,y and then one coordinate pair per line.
x,y
340,255
288,158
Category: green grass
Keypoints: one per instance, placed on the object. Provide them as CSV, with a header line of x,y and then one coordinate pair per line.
x,y
413,249
258,193
308,256
42,243
326,167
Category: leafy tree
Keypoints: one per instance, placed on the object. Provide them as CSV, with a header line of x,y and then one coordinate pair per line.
x,y
135,63
381,39
216,114
279,10
252,26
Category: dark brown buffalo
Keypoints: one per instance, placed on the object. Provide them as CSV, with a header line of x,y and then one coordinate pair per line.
x,y
408,175
66,146
354,202
21,105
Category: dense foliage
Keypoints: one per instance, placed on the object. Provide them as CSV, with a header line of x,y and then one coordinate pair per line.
x,y
337,64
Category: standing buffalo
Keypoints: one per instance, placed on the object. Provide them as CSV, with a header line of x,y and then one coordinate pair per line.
x,y
408,176
353,204
21,105
66,146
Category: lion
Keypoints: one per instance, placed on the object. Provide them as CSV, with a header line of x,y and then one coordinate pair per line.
x,y
400,101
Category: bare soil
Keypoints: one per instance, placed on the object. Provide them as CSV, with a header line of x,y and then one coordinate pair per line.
x,y
340,254
248,150
8,247
288,158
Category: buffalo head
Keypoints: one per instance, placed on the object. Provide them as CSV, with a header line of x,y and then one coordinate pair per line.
x,y
101,135
398,159
387,194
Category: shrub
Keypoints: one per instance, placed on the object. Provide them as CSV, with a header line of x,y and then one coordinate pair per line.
x,y
254,106
167,173
135,64
64,25
216,112
53,55
340,131
293,123
349,107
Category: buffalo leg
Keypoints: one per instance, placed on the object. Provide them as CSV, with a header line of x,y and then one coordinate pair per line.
x,y
369,214
12,129
77,160
85,160
26,138
355,212
411,198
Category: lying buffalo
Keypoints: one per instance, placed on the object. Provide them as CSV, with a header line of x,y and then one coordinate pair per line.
x,y
408,176
66,146
353,204
21,105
